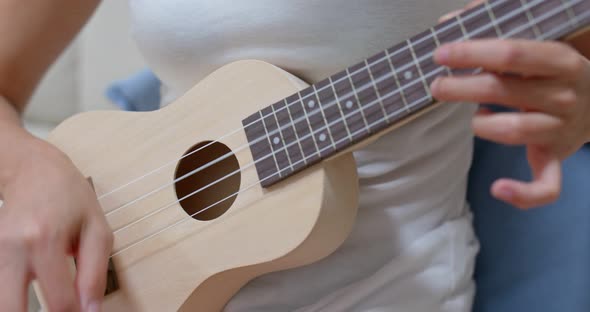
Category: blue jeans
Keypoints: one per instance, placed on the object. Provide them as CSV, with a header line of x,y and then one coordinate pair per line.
x,y
536,260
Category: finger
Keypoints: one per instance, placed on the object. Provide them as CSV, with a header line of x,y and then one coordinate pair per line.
x,y
457,12
92,263
54,275
449,15
13,292
483,111
525,57
549,96
518,128
544,189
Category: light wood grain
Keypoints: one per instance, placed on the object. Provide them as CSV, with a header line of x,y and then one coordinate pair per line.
x,y
198,266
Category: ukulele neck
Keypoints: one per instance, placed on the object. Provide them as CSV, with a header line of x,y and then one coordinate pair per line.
x,y
343,110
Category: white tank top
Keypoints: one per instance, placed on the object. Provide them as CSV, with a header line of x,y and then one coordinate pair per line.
x,y
412,248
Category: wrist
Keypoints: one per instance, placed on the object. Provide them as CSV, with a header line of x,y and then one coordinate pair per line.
x,y
17,145
15,142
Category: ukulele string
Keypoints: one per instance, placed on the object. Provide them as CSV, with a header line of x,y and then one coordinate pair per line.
x,y
300,100
560,28
313,112
263,158
231,195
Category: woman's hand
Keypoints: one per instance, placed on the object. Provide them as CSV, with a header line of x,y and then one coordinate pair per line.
x,y
50,212
548,82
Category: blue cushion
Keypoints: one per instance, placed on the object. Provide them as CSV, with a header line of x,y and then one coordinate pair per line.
x,y
536,260
139,92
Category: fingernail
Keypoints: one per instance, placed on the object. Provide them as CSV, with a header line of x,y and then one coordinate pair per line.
x,y
445,17
442,54
449,15
94,306
434,83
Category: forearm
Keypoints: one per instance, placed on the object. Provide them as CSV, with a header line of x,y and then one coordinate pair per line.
x,y
32,35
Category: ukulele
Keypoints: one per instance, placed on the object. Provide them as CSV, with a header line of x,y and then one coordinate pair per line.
x,y
251,171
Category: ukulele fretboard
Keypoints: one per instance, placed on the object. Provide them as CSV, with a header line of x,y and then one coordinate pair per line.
x,y
376,93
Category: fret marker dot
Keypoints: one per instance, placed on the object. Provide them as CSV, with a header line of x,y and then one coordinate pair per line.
x,y
311,104
276,140
408,75
322,137
349,104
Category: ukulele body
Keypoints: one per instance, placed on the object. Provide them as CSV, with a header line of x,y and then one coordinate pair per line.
x,y
198,265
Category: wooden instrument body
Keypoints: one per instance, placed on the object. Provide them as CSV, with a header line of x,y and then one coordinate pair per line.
x,y
200,265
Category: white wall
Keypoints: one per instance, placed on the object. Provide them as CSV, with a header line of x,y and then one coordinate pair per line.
x,y
103,52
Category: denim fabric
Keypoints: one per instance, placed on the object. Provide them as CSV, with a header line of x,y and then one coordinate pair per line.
x,y
536,260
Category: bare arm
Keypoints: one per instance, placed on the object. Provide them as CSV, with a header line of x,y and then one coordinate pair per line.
x,y
32,35
50,212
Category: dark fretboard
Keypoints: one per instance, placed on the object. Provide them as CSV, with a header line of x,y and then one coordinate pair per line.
x,y
374,94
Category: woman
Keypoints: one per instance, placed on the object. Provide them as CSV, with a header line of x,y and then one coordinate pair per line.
x,y
412,248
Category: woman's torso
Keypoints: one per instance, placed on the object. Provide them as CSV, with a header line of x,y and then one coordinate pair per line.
x,y
412,247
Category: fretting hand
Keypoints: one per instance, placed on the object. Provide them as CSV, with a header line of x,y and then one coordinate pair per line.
x,y
549,85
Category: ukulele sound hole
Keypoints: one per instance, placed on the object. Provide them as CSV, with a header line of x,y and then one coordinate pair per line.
x,y
215,180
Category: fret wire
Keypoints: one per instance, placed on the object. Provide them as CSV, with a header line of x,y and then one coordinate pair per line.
x,y
493,19
459,22
270,143
317,95
296,132
280,129
519,19
585,15
358,102
337,98
531,18
544,6
398,84
345,92
435,36
570,12
415,59
578,9
302,126
355,90
317,149
377,93
463,30
510,33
